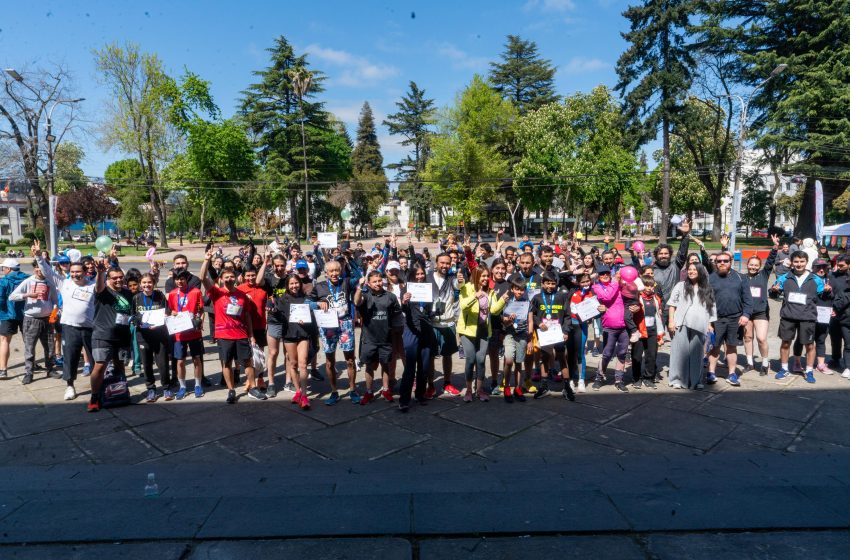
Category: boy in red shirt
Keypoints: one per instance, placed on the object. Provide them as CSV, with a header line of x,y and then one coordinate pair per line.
x,y
183,299
258,297
233,328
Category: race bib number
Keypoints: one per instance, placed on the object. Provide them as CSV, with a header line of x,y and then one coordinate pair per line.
x,y
234,310
81,294
122,319
650,321
755,291
797,297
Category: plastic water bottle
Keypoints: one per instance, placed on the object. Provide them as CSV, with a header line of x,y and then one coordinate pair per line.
x,y
151,488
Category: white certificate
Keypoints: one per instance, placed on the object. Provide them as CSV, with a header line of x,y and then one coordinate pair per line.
x,y
587,309
327,319
327,239
518,307
153,318
552,335
824,314
300,313
181,322
558,263
420,292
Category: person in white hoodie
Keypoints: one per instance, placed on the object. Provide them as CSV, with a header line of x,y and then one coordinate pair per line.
x,y
77,314
811,250
39,299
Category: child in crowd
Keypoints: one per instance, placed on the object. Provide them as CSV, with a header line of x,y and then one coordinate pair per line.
x,y
376,308
645,349
517,343
551,310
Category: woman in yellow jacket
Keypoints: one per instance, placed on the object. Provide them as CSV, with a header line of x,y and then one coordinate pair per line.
x,y
477,303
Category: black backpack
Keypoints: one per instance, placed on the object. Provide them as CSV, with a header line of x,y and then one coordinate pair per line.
x,y
114,391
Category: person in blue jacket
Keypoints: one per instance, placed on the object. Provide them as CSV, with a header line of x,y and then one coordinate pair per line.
x,y
799,313
11,312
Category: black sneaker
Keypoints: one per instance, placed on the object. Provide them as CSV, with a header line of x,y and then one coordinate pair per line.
x,y
542,391
621,387
205,382
658,379
519,397
568,392
27,379
256,394
271,392
764,370
4,374
55,374
597,384
637,384
649,384
231,396
315,375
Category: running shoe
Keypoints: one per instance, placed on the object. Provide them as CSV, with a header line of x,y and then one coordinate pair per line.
x,y
86,370
355,397
810,376
305,402
782,374
637,384
403,408
314,374
649,384
256,394
846,374
823,369
59,362
597,384
620,386
231,396
332,399
199,391
542,391
70,393
367,398
507,395
387,394
467,396
483,396
430,392
581,387
711,379
764,370
568,392
168,395
451,390
271,391
290,387
27,379
528,387
733,380
94,405
181,393
518,396
151,396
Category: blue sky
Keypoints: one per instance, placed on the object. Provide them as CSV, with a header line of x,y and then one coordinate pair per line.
x,y
368,50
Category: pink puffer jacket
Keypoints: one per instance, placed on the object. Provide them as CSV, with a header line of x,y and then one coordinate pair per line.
x,y
609,295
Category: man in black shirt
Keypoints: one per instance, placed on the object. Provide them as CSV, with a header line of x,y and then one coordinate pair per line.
x,y
180,262
111,332
376,307
274,282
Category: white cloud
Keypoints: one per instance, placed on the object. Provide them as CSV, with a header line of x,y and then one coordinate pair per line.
x,y
349,113
551,5
460,58
358,71
583,65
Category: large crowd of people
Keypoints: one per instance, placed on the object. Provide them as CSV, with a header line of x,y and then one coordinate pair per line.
x,y
534,309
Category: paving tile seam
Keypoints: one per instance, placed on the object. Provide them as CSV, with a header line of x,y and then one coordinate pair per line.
x,y
644,436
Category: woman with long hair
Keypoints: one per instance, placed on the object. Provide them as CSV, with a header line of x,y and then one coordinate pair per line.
x,y
419,342
296,338
692,310
477,303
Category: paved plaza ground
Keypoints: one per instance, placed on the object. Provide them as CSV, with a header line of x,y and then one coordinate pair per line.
x,y
766,456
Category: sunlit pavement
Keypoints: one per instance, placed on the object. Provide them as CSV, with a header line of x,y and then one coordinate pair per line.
x,y
766,455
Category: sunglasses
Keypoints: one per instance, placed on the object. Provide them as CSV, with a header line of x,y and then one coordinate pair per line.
x,y
722,260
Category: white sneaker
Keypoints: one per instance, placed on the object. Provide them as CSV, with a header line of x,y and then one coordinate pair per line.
x,y
70,393
846,374
581,387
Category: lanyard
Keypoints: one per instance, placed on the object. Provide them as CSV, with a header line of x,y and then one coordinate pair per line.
x,y
334,290
181,301
145,303
548,305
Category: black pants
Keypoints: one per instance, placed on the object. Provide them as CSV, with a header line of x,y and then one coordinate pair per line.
x,y
845,334
835,339
645,350
575,350
75,339
154,349
418,354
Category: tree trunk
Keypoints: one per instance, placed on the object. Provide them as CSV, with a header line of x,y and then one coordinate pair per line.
x,y
231,223
717,217
665,182
777,182
293,215
201,227
545,222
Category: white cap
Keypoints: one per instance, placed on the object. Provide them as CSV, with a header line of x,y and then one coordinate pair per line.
x,y
74,254
11,263
393,265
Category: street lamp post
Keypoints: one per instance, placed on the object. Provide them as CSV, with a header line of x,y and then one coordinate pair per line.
x,y
301,82
51,198
742,133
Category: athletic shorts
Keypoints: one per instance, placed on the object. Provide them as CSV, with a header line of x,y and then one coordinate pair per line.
x,y
375,353
726,331
9,327
515,347
761,316
343,337
188,348
274,330
803,330
238,351
105,350
446,341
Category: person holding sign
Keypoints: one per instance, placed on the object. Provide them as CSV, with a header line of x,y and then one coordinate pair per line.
x,y
111,331
477,303
335,294
39,299
758,276
149,306
517,328
234,331
377,307
645,351
550,311
419,340
579,328
187,300
298,330
798,314
532,282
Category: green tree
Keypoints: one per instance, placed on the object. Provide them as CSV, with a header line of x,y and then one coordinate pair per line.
x,y
126,180
687,193
755,198
369,188
413,121
69,175
147,113
223,158
654,74
523,77
805,107
466,164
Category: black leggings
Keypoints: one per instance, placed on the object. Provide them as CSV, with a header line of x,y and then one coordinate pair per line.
x,y
155,349
645,349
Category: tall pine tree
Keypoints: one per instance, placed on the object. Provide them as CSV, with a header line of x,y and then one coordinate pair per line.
x,y
369,189
522,76
413,121
654,77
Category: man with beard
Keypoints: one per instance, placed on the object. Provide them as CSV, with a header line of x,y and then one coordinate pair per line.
x,y
274,282
666,272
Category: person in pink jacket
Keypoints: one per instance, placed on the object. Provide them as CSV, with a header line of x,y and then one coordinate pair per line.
x,y
613,327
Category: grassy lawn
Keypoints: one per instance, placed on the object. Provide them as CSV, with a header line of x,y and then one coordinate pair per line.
x,y
126,250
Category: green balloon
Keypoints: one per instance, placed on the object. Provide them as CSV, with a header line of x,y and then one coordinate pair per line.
x,y
345,214
103,243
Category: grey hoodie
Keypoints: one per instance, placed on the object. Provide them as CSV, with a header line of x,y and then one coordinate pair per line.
x,y
43,305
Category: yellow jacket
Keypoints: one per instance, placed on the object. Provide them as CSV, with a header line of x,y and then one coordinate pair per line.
x,y
467,323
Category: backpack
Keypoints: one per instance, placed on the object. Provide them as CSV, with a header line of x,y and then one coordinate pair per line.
x,y
114,391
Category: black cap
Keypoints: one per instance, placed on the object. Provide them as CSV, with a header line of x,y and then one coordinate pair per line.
x,y
603,269
180,273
